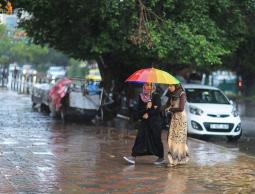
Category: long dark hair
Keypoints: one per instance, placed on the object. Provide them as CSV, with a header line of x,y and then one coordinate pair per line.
x,y
177,93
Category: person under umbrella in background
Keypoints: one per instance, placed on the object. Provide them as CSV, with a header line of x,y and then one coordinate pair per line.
x,y
148,140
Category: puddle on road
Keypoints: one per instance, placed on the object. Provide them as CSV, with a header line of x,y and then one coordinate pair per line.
x,y
212,155
38,144
44,169
43,153
8,142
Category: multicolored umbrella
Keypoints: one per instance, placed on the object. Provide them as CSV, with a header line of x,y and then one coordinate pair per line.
x,y
152,75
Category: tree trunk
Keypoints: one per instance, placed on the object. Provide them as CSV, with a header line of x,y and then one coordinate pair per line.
x,y
114,72
110,83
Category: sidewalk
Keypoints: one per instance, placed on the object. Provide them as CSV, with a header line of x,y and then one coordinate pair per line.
x,y
212,169
91,162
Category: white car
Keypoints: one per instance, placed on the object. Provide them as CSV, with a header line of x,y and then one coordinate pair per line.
x,y
55,72
28,70
210,112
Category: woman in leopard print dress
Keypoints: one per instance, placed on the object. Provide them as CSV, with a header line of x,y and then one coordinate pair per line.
x,y
177,136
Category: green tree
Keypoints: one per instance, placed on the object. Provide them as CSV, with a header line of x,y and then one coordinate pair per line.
x,y
24,51
5,46
129,34
75,69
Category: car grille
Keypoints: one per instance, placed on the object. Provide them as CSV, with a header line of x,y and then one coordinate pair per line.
x,y
218,116
209,129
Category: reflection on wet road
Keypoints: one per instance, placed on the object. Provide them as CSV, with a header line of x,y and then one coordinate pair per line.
x,y
245,144
42,155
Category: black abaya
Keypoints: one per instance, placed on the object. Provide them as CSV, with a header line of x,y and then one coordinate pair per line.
x,y
148,139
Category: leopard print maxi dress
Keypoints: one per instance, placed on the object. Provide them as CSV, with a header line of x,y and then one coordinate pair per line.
x,y
177,138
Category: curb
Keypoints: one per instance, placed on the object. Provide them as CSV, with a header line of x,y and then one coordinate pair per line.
x,y
221,147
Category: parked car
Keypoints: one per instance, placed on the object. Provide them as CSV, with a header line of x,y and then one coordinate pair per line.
x,y
210,112
28,70
56,72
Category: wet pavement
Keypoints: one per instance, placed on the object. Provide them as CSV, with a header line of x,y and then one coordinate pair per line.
x,y
42,155
245,144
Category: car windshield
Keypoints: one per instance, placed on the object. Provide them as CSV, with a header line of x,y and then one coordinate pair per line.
x,y
207,96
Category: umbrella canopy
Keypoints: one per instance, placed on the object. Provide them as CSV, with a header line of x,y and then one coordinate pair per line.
x,y
58,92
152,75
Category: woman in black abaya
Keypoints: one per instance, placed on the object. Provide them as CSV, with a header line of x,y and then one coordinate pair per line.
x,y
148,140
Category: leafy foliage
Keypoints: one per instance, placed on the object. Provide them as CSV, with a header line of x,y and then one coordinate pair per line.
x,y
128,34
23,51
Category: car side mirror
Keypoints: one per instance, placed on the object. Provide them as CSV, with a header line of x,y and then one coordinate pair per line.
x,y
231,102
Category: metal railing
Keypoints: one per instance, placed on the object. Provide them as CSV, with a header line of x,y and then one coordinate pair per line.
x,y
24,83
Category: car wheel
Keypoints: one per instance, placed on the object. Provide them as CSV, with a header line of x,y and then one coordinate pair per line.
x,y
234,138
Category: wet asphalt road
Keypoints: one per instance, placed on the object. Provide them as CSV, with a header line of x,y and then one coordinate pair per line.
x,y
245,144
42,155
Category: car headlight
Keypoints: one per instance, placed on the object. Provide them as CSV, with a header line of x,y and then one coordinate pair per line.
x,y
195,110
235,112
